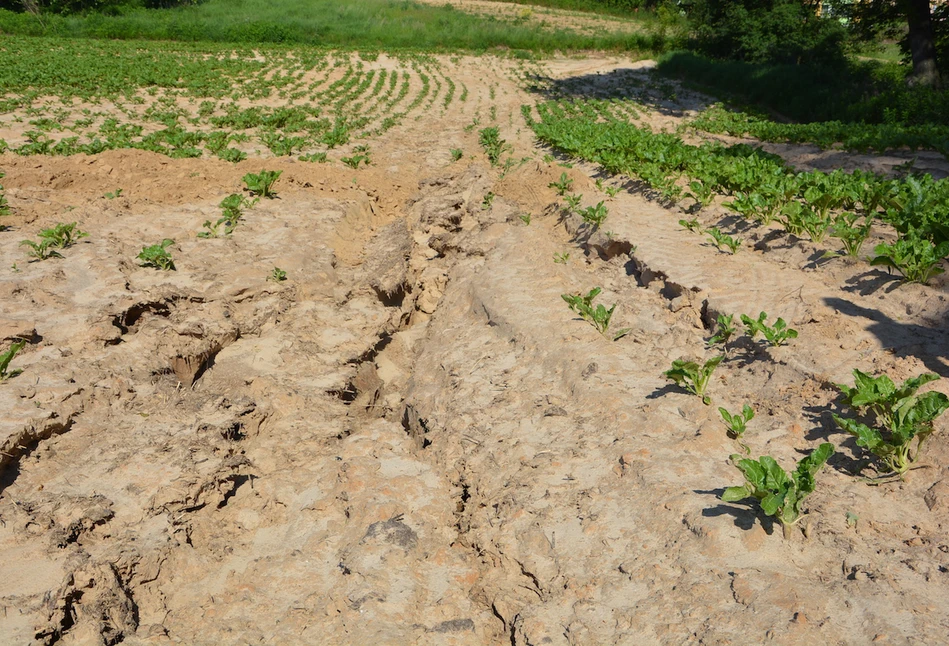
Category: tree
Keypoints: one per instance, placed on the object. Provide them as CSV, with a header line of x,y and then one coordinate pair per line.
x,y
911,21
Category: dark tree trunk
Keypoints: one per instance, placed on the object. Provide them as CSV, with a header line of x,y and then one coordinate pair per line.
x,y
921,42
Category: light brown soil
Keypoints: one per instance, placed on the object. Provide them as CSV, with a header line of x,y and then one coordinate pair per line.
x,y
412,439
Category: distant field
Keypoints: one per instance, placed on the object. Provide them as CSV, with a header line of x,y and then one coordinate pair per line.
x,y
357,24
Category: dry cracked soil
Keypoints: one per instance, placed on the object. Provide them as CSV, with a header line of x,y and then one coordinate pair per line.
x,y
412,439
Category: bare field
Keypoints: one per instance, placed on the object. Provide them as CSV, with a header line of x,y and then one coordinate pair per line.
x,y
412,439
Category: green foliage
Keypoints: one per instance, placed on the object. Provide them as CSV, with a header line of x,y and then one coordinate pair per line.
x,y
850,234
900,416
525,218
6,357
488,200
354,161
314,157
156,256
562,185
262,183
42,250
573,201
456,154
799,218
111,195
701,192
4,205
62,235
725,329
561,258
599,317
737,423
692,224
492,144
915,257
779,494
778,334
277,275
595,215
694,377
723,240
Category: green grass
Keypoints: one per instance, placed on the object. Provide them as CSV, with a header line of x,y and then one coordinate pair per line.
x,y
389,24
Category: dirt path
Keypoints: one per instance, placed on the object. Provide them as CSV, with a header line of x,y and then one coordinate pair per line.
x,y
412,439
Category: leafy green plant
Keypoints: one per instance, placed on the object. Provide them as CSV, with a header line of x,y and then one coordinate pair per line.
x,y
5,359
725,329
487,200
900,416
562,185
724,240
62,235
778,334
456,154
355,160
314,157
852,235
701,192
525,218
561,258
157,256
573,201
262,183
493,145
737,423
277,275
595,215
692,224
801,217
779,494
42,250
694,377
4,205
597,316
113,194
915,257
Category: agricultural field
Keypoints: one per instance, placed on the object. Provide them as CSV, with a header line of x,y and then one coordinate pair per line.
x,y
314,346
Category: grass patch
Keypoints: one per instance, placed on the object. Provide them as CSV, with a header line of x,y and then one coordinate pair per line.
x,y
388,24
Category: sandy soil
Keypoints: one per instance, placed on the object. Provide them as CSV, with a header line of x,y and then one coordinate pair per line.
x,y
412,439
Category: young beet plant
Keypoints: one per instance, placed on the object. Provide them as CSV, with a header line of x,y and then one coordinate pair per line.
x,y
694,377
6,358
900,414
725,241
157,257
724,330
737,424
262,183
59,237
778,334
595,215
599,317
779,494
562,185
915,257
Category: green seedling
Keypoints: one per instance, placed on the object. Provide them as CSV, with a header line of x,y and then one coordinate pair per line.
x,y
595,215
611,191
277,275
456,154
694,377
525,218
113,194
262,183
493,145
691,224
487,201
778,334
597,316
779,494
800,217
700,192
314,157
355,160
725,329
851,234
723,240
157,256
737,424
62,235
4,205
901,415
915,257
6,358
42,250
562,185
573,201
561,258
